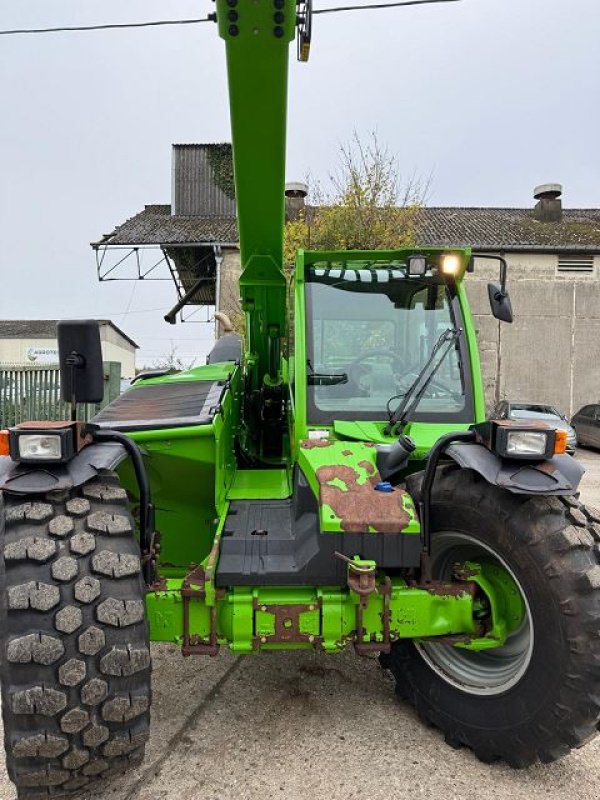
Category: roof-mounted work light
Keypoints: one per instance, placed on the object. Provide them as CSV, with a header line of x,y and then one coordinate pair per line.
x,y
450,264
417,265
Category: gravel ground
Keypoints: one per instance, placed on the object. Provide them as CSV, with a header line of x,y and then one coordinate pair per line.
x,y
300,725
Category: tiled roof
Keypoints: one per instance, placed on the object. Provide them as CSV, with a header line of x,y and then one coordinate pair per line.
x,y
509,229
44,329
155,225
480,228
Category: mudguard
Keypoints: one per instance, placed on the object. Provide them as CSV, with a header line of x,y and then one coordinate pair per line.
x,y
40,478
559,475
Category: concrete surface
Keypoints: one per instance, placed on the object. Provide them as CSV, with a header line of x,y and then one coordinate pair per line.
x,y
300,726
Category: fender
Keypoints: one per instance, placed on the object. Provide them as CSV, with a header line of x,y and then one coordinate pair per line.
x,y
40,478
559,475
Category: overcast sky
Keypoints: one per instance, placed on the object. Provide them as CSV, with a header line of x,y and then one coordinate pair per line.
x,y
491,97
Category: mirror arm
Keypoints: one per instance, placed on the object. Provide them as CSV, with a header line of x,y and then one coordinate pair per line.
x,y
74,361
503,271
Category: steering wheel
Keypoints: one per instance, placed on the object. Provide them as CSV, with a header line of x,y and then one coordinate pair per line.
x,y
355,368
435,389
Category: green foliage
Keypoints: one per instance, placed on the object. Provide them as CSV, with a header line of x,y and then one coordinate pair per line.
x,y
221,163
365,208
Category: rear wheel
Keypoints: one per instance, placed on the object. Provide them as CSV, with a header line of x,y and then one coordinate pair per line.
x,y
75,658
538,695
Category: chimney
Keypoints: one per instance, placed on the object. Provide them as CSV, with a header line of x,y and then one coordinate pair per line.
x,y
549,205
295,199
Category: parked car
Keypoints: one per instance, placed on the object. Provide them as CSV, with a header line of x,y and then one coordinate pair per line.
x,y
587,425
549,414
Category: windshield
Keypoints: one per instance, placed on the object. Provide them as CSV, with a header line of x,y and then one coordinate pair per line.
x,y
370,333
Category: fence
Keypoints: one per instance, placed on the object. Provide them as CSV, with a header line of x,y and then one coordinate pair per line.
x,y
33,393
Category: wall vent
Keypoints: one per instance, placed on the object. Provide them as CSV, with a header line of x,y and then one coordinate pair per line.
x,y
580,264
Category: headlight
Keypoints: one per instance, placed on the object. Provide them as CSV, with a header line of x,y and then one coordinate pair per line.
x,y
33,447
31,442
534,442
526,443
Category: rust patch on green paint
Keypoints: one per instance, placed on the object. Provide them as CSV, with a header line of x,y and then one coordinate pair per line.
x,y
308,444
367,466
346,453
361,508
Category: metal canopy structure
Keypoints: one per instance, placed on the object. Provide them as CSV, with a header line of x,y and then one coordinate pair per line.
x,y
182,242
188,267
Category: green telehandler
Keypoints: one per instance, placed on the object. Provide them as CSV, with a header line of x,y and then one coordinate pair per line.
x,y
330,480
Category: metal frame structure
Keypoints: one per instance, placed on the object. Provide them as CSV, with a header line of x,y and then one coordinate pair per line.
x,y
127,265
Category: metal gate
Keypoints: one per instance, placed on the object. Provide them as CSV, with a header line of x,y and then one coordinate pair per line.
x,y
33,393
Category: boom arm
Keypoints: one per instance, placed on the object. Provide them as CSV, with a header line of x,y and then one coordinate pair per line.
x,y
257,35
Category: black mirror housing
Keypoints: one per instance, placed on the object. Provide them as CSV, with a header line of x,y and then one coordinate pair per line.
x,y
500,303
80,357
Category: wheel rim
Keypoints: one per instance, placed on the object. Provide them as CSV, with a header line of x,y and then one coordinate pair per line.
x,y
488,672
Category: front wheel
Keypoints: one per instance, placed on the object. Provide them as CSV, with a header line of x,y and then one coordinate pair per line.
x,y
537,696
74,650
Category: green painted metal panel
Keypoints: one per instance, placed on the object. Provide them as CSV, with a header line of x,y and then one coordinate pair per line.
x,y
246,622
208,372
191,470
257,67
260,484
471,336
355,468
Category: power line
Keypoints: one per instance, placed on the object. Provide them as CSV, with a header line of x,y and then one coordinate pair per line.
x,y
211,18
107,27
373,6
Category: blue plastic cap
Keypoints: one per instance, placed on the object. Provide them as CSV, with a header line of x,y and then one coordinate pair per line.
x,y
384,486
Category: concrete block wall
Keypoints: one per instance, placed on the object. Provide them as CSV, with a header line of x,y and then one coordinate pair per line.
x,y
551,352
229,290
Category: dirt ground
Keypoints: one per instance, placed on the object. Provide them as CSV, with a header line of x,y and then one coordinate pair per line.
x,y
300,726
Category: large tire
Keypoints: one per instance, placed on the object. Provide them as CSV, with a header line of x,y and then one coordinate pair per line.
x,y
74,649
547,700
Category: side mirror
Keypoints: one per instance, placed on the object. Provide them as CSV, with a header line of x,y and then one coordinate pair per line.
x,y
499,299
80,358
500,303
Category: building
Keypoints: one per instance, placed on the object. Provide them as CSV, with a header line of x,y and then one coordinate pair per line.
x,y
193,241
33,341
551,352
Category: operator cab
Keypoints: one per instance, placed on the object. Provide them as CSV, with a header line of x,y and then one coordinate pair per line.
x,y
371,331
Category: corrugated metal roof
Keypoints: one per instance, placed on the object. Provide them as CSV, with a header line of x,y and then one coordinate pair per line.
x,y
202,180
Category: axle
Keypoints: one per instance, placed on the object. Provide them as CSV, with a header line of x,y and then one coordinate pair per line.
x,y
371,613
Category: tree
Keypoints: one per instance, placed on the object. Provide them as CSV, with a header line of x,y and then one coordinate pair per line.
x,y
170,361
365,208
